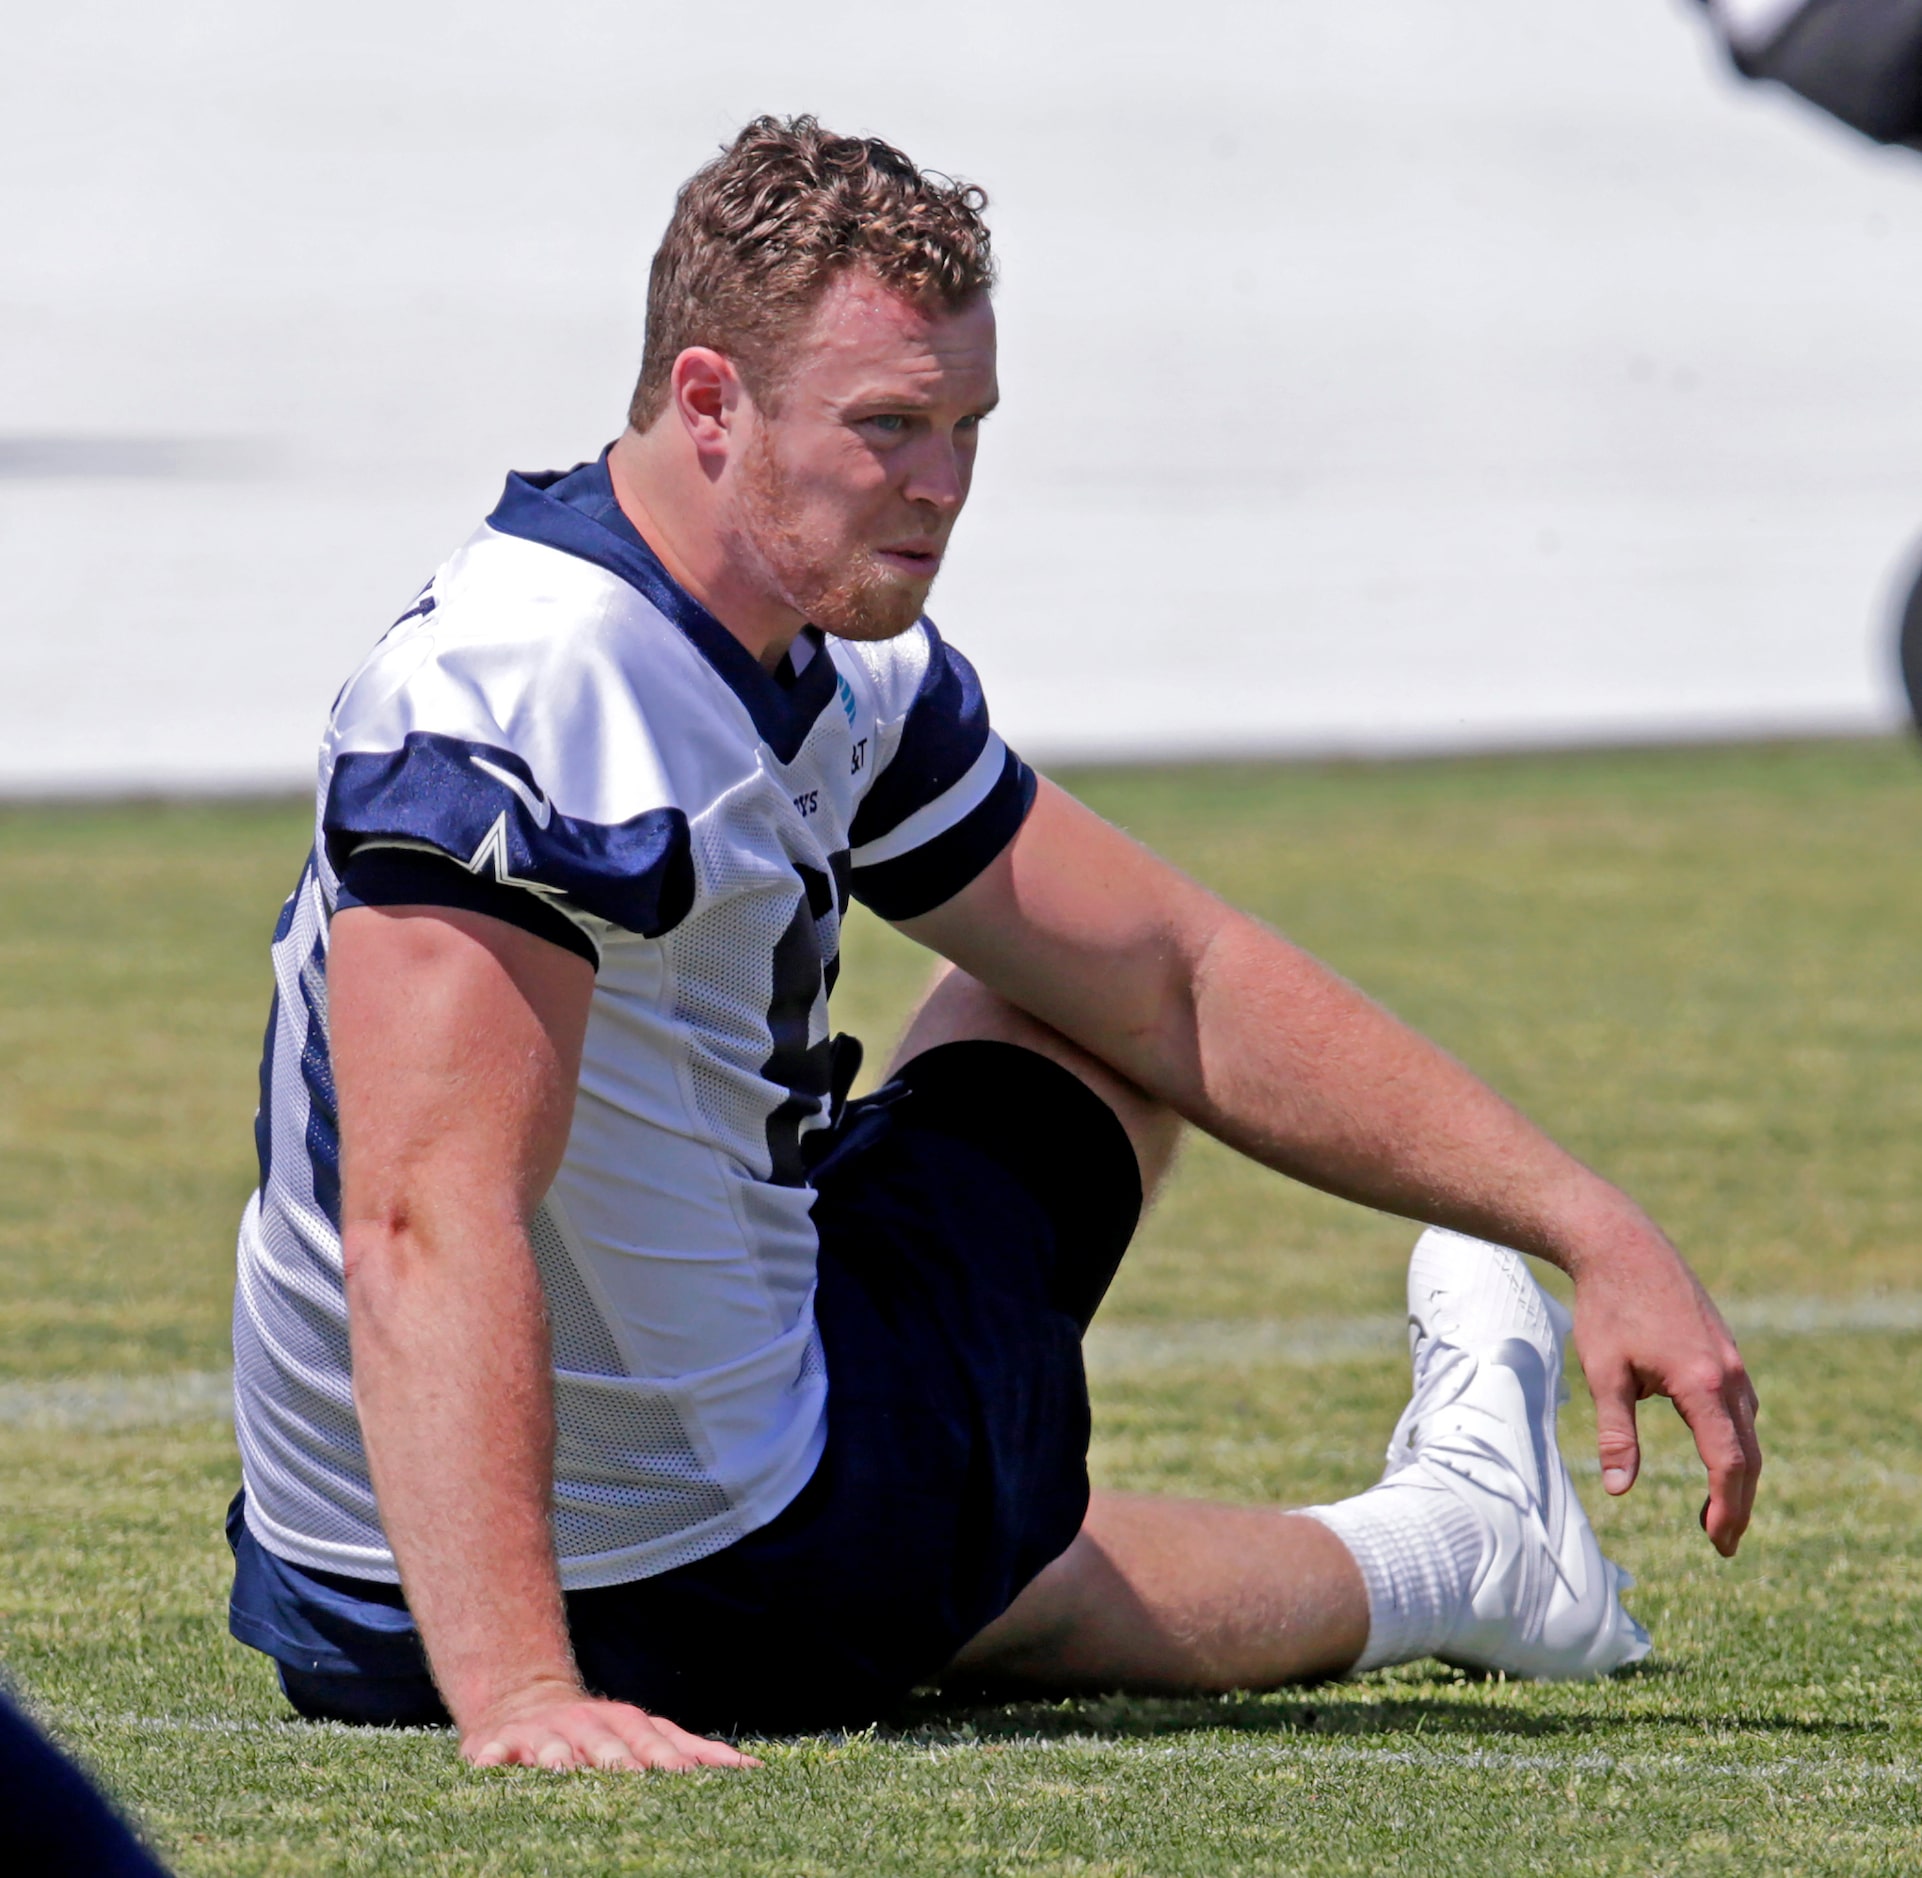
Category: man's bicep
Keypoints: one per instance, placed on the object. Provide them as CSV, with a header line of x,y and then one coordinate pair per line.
x,y
456,1043
1079,925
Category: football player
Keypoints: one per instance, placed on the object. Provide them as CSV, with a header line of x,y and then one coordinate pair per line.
x,y
604,1374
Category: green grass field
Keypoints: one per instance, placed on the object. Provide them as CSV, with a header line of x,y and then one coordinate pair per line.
x,y
1696,967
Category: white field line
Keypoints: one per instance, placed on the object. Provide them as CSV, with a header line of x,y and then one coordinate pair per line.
x,y
1244,1748
109,1402
1116,1352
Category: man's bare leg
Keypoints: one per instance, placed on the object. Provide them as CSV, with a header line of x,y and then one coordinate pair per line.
x,y
1155,1594
960,1009
1181,1595
1473,1545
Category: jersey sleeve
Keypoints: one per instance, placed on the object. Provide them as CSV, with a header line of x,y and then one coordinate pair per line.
x,y
380,874
516,787
948,797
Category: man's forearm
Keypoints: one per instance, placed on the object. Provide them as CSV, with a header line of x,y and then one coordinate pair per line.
x,y
1292,1065
1259,1044
453,1385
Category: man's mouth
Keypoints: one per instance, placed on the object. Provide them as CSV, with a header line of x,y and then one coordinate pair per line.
x,y
917,559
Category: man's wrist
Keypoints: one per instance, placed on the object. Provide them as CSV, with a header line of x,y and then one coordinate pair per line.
x,y
1597,1226
497,1696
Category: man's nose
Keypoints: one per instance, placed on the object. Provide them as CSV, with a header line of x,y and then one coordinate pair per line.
x,y
938,475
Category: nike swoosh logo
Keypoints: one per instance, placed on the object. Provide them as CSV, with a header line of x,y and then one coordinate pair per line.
x,y
537,804
1524,1362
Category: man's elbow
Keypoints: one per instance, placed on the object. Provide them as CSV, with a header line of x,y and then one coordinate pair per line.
x,y
377,1249
396,1246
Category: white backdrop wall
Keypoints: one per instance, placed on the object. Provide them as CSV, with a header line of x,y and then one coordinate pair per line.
x,y
1422,374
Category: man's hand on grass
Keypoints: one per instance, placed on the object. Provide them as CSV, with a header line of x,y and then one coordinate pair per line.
x,y
1644,1326
561,1728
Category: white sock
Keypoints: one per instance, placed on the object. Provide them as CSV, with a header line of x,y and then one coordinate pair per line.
x,y
1418,1548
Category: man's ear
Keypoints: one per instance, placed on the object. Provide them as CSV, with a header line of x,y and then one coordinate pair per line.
x,y
707,394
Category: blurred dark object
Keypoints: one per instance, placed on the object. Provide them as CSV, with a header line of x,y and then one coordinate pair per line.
x,y
1909,641
51,1819
1860,60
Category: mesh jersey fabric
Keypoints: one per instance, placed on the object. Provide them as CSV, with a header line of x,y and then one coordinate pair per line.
x,y
559,718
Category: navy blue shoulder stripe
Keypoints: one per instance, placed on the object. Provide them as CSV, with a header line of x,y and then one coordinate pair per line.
x,y
945,732
410,877
481,806
592,528
925,877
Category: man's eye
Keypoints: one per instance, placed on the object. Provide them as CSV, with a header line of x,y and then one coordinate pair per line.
x,y
889,424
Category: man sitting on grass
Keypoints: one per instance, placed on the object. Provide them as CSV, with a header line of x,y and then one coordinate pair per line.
x,y
604,1374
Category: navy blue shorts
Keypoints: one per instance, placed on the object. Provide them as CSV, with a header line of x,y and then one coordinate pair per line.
x,y
971,1214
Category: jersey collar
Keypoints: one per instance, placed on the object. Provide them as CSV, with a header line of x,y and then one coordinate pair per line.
x,y
597,531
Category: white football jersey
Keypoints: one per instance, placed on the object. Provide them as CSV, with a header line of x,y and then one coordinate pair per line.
x,y
559,718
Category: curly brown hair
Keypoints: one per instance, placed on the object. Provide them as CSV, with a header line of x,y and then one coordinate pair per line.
x,y
758,233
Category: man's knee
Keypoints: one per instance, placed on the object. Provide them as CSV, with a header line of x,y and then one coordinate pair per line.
x,y
958,1008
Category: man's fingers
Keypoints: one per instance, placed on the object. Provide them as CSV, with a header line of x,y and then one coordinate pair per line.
x,y
561,1750
1730,1453
653,1745
1741,1403
1745,1409
513,1746
705,1752
609,1735
657,1743
607,1749
1615,1442
1648,1328
656,1753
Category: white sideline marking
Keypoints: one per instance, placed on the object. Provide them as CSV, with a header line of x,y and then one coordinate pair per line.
x,y
1115,1353
1425,1760
106,1402
1117,1350
1790,1316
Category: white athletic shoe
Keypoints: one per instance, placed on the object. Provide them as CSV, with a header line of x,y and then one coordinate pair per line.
x,y
1486,1342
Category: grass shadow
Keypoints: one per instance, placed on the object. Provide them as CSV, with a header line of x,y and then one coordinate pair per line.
x,y
1428,1704
984,1716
